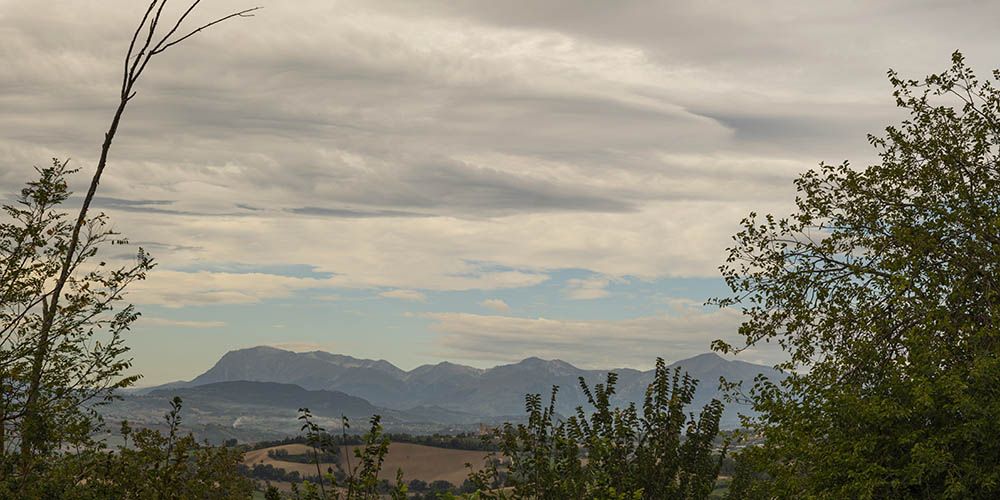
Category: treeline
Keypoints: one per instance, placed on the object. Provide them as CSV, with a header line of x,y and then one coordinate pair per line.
x,y
416,489
462,441
305,458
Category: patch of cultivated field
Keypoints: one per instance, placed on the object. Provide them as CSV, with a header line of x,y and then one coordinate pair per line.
x,y
254,457
426,463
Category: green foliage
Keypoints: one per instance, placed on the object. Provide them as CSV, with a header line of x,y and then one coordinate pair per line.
x,y
148,465
84,355
360,481
155,465
304,458
883,288
610,453
459,441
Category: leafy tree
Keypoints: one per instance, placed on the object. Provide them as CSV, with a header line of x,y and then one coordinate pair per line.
x,y
883,288
84,357
441,486
62,323
609,453
147,465
360,481
153,465
272,493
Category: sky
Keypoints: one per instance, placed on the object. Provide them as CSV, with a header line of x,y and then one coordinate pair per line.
x,y
472,181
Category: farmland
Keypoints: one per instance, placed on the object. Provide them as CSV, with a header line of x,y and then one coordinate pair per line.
x,y
426,463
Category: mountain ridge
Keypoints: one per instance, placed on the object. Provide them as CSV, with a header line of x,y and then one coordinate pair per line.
x,y
495,391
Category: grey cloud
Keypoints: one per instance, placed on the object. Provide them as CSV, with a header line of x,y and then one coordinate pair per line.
x,y
104,201
481,111
490,191
772,32
402,118
157,245
352,214
150,206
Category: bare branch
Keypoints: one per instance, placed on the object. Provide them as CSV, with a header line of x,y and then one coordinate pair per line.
x,y
176,25
133,69
131,45
242,13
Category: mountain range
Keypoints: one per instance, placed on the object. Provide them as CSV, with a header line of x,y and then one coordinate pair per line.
x,y
443,393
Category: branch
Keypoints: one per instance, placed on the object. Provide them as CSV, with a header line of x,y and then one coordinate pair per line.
x,y
33,411
242,13
131,45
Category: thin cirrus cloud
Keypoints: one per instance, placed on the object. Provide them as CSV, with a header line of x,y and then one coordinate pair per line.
x,y
173,323
175,289
408,295
497,305
588,288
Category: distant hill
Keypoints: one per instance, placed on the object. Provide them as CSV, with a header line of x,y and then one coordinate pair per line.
x,y
269,394
253,411
372,380
445,387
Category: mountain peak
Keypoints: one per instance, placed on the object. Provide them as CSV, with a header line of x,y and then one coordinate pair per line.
x,y
492,392
708,356
535,360
553,366
261,348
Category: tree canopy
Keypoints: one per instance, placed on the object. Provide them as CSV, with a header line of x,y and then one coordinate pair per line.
x,y
882,289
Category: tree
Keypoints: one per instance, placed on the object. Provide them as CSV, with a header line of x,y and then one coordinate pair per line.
x,y
61,337
272,493
883,289
153,465
360,481
84,360
609,453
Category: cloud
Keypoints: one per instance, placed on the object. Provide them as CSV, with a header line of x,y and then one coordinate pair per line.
x,y
417,145
349,213
497,305
632,342
666,239
410,295
587,289
460,143
174,323
175,288
178,289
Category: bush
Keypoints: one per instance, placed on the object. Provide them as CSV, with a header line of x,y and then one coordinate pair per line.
x,y
611,452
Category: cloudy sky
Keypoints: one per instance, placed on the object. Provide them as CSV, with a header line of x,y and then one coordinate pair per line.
x,y
477,181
